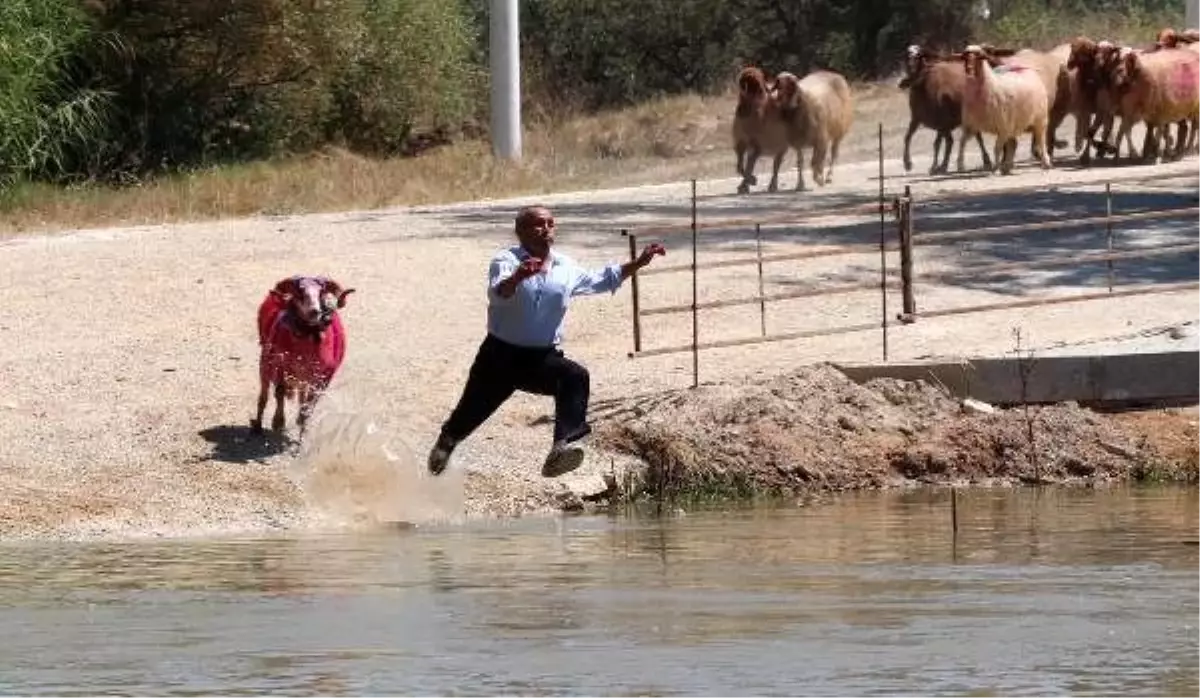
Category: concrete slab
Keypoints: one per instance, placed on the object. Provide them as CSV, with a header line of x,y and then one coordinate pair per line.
x,y
1101,380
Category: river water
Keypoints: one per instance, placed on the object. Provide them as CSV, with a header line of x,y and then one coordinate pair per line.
x,y
1040,592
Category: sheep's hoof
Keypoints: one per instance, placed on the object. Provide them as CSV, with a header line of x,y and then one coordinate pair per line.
x,y
773,187
751,180
743,188
278,422
908,165
256,427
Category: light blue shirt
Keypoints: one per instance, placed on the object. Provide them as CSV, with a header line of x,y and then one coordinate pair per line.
x,y
533,315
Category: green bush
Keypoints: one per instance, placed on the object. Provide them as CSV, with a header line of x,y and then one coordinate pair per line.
x,y
49,108
210,81
121,88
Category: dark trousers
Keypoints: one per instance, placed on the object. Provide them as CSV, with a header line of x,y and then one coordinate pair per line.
x,y
501,368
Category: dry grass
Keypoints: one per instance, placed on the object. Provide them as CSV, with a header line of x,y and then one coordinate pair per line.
x,y
663,140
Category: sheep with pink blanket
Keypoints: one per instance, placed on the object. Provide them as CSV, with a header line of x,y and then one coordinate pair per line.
x,y
303,343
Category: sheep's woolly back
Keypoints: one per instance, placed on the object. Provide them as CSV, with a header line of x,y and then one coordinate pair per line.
x,y
293,356
819,106
935,96
1165,87
1005,103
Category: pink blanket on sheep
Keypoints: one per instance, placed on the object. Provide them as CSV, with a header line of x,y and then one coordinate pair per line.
x,y
289,356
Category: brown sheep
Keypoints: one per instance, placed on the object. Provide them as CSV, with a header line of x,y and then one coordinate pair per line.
x,y
1052,67
1159,87
1093,102
819,111
1190,40
758,127
1169,38
935,92
1007,101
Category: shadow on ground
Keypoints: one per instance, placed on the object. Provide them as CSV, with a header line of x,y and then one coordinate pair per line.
x,y
238,444
593,230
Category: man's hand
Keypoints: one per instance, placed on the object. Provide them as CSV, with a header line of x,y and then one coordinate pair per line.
x,y
654,248
629,268
530,267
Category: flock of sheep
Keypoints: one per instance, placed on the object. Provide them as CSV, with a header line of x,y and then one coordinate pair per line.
x,y
983,89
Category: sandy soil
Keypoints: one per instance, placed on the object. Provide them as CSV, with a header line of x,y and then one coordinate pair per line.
x,y
130,373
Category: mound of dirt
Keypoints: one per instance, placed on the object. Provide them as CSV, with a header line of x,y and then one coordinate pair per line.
x,y
815,429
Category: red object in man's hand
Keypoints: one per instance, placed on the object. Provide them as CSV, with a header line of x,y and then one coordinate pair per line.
x,y
529,267
654,248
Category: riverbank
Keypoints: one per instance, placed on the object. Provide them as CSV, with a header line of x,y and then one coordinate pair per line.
x,y
815,431
125,411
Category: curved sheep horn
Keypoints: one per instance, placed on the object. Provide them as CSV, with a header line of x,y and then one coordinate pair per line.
x,y
286,287
331,286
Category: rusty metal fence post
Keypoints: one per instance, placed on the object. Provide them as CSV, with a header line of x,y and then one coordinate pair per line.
x,y
905,228
762,299
1109,231
695,297
882,251
633,293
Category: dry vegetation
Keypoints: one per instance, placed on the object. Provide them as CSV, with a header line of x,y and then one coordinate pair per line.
x,y
662,140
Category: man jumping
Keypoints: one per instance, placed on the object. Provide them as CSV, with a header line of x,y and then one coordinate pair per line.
x,y
529,289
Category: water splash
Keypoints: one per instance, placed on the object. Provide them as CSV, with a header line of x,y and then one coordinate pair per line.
x,y
356,472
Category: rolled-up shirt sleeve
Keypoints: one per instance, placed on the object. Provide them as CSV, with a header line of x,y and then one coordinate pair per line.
x,y
502,267
593,281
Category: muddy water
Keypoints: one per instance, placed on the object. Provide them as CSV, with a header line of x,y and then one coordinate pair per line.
x,y
1080,592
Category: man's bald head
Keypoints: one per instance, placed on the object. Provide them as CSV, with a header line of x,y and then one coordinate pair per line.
x,y
530,216
535,229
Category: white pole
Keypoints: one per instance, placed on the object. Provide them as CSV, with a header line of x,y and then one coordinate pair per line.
x,y
505,59
1193,14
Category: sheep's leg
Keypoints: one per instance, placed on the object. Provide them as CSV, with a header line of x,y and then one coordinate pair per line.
x,y
1042,142
818,161
748,178
1090,129
1009,155
998,149
962,141
1133,154
833,156
1182,134
1123,133
946,138
1150,149
988,164
308,399
1191,140
912,128
1082,121
938,140
775,163
739,152
1102,146
279,420
256,423
800,169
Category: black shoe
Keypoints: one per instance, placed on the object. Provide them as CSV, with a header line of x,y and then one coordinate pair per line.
x,y
563,458
439,456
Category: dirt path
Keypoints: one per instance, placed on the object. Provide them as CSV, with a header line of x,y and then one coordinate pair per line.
x,y
131,370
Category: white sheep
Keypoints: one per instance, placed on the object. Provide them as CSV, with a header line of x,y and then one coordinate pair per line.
x,y
1007,101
